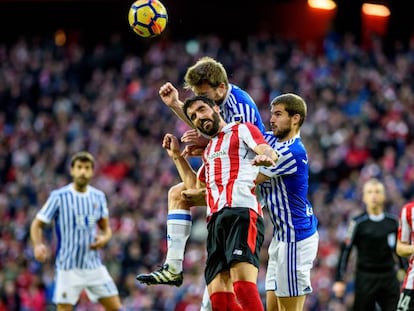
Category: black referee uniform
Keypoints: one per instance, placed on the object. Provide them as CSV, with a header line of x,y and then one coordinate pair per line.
x,y
374,237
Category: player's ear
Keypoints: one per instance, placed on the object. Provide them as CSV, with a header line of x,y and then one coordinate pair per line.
x,y
222,89
217,108
296,118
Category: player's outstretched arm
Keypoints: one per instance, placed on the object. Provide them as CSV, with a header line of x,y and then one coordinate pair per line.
x,y
187,174
266,156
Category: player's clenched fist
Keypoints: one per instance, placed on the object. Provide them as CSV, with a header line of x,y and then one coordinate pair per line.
x,y
171,144
40,252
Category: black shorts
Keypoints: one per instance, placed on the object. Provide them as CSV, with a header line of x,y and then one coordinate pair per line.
x,y
234,235
406,302
373,288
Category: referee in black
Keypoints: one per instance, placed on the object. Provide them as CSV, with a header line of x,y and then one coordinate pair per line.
x,y
374,234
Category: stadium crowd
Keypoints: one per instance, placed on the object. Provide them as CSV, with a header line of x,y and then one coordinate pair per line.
x,y
57,100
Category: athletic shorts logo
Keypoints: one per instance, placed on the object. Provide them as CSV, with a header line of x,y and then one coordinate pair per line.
x,y
238,252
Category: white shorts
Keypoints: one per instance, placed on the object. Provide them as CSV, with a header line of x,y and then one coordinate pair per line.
x,y
289,266
70,283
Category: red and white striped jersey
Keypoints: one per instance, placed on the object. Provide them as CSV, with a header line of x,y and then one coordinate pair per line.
x,y
230,177
406,234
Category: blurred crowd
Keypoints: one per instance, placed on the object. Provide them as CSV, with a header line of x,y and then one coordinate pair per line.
x,y
57,100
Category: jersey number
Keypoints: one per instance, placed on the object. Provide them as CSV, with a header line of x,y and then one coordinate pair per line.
x,y
403,302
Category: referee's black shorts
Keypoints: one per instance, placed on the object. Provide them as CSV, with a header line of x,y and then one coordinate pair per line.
x,y
234,235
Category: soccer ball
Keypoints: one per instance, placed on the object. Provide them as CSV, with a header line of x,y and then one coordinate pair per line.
x,y
147,18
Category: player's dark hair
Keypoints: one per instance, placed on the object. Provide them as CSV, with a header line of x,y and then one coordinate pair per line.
x,y
189,101
205,70
82,156
293,104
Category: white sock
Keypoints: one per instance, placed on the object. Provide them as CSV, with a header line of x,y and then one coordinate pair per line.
x,y
206,302
178,231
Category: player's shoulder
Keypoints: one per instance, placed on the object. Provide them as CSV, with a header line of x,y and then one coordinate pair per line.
x,y
247,126
61,190
95,190
269,136
239,96
360,218
293,146
296,144
408,206
391,216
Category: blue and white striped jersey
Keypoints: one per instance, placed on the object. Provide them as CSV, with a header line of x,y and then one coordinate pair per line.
x,y
285,193
75,215
239,107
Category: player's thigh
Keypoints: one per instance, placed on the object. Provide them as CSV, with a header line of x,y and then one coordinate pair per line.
x,y
221,283
64,307
216,261
112,303
272,301
244,271
292,303
272,265
68,287
100,285
290,265
244,235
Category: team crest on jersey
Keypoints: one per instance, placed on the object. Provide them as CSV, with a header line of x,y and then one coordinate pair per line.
x,y
238,118
64,295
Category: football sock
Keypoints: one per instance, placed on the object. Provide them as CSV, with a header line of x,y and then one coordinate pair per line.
x,y
224,301
178,231
206,302
248,295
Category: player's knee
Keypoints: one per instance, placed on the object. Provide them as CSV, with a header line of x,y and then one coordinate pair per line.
x,y
174,193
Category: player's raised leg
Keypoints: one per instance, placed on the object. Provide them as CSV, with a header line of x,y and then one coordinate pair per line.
x,y
178,231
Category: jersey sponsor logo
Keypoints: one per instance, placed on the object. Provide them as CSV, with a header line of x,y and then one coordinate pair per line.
x,y
85,221
217,154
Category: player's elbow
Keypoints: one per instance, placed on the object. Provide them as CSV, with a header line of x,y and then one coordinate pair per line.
x,y
403,249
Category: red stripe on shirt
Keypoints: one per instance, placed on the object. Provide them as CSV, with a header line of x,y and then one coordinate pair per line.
x,y
234,158
218,171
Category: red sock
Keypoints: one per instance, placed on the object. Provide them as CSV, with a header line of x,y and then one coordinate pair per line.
x,y
248,295
224,301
